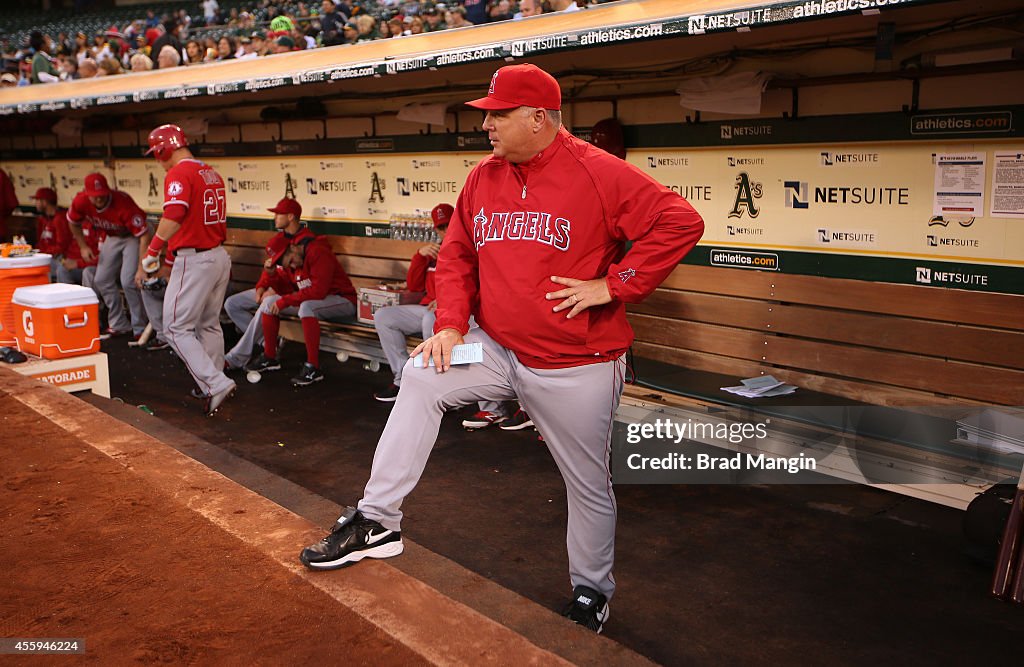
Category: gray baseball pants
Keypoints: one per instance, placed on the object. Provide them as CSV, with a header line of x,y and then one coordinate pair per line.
x,y
331,308
241,308
192,303
394,323
153,301
119,255
572,407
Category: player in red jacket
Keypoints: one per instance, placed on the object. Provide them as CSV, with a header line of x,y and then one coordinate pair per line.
x,y
537,251
8,202
193,229
52,233
123,226
323,291
394,323
242,307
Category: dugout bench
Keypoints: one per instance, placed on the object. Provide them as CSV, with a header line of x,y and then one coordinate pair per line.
x,y
848,343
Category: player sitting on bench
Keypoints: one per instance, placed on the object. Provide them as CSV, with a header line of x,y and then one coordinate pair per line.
x,y
323,292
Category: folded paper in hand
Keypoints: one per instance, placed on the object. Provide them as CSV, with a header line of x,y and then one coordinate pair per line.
x,y
467,353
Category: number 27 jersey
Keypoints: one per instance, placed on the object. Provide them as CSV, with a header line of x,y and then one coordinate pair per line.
x,y
197,187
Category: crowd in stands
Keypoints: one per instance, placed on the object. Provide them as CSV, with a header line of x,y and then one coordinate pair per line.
x,y
211,33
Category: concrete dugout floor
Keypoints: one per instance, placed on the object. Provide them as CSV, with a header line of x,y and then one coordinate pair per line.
x,y
831,575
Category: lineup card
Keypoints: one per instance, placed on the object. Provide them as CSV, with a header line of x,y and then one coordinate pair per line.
x,y
467,353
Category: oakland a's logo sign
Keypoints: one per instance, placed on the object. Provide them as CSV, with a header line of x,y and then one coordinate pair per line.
x,y
376,188
746,192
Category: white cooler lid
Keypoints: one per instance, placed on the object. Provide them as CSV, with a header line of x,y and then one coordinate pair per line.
x,y
38,259
54,295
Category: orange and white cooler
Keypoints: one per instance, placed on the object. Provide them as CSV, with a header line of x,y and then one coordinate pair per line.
x,y
56,321
18,272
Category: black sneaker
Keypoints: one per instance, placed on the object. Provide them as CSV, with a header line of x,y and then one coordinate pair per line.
x,y
308,375
517,422
155,345
353,538
389,395
263,363
588,608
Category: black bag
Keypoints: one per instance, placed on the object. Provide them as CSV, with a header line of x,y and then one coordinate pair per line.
x,y
985,520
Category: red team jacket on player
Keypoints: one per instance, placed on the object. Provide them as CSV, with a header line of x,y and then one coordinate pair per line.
x,y
52,234
8,201
120,217
567,212
194,197
54,238
320,275
276,246
420,277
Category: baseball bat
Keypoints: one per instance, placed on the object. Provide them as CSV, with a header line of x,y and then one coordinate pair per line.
x,y
1009,574
144,337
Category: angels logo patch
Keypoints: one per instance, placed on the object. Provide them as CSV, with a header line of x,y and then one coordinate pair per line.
x,y
174,188
536,226
624,276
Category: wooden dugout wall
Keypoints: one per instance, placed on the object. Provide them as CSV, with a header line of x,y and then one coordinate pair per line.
x,y
868,341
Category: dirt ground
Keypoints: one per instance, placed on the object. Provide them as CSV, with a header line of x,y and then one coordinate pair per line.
x,y
837,575
89,551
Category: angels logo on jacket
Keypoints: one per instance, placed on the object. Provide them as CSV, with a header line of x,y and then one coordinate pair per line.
x,y
624,276
536,226
174,188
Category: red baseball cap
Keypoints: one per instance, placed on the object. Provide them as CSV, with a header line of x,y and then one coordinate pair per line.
x,y
288,205
521,86
96,186
46,194
442,214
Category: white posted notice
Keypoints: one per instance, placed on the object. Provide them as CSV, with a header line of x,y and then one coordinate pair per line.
x,y
1008,186
959,184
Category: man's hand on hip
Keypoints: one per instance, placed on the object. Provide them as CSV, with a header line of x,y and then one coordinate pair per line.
x,y
579,294
439,347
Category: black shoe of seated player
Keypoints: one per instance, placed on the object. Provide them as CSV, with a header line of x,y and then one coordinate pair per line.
x,y
307,375
389,395
263,364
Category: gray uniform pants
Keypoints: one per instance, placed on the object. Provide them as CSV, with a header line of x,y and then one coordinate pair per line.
x,y
119,256
394,323
241,308
153,301
192,303
68,276
331,308
572,407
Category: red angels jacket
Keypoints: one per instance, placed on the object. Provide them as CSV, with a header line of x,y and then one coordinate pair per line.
x,y
276,246
420,277
570,212
320,275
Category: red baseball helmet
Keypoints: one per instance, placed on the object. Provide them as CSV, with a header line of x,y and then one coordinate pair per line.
x,y
164,140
